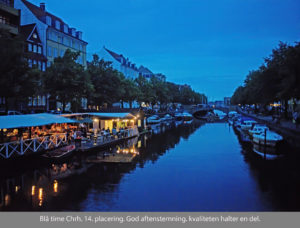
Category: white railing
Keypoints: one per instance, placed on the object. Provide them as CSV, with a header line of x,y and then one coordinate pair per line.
x,y
32,145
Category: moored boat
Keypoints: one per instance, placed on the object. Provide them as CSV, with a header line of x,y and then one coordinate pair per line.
x,y
187,118
258,129
232,114
153,119
247,124
167,117
267,138
60,152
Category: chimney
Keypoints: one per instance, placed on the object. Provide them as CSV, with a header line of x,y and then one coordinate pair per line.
x,y
43,6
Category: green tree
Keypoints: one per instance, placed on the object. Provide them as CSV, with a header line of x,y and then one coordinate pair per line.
x,y
107,82
131,91
67,81
14,80
147,91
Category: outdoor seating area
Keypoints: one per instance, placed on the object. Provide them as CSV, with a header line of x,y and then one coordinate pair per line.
x,y
36,132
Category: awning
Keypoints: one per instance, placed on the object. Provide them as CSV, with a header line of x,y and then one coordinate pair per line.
x,y
31,120
111,115
85,120
125,115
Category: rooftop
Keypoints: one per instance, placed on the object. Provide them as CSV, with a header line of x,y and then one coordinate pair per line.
x,y
121,59
41,14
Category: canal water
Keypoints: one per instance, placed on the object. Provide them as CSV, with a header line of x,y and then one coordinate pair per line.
x,y
194,167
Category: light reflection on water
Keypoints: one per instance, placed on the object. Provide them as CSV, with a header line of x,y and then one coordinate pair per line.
x,y
186,168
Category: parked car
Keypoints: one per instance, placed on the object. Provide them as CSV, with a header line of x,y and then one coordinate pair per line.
x,y
54,112
10,112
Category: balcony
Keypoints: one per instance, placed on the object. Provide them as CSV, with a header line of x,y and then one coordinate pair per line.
x,y
11,28
8,6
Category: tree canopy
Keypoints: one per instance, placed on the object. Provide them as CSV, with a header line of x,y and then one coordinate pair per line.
x,y
278,79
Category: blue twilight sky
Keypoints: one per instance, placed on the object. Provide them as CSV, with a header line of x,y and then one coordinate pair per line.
x,y
210,45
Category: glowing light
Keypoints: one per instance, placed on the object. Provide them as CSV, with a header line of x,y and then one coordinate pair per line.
x,y
17,189
7,199
40,197
33,190
95,120
55,186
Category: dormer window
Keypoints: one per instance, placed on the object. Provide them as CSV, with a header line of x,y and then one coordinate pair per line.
x,y
57,25
48,20
66,28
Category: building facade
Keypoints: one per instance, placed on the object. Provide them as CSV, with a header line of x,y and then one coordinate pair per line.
x,y
145,72
35,56
120,63
227,101
10,21
55,36
9,16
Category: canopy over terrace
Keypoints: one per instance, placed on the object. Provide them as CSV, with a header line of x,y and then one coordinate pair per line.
x,y
105,120
31,120
125,115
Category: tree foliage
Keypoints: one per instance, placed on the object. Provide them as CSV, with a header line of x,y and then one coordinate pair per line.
x,y
14,80
66,80
278,79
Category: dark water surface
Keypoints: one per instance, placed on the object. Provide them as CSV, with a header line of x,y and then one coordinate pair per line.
x,y
186,168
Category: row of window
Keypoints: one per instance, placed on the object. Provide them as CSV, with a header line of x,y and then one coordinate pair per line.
x,y
67,41
54,52
37,101
35,48
40,65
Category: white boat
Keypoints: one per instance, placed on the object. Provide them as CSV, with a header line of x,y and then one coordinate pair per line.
x,y
247,124
232,114
153,119
178,119
167,117
219,114
234,119
258,129
271,138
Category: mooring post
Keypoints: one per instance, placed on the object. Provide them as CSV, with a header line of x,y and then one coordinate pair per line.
x,y
265,143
